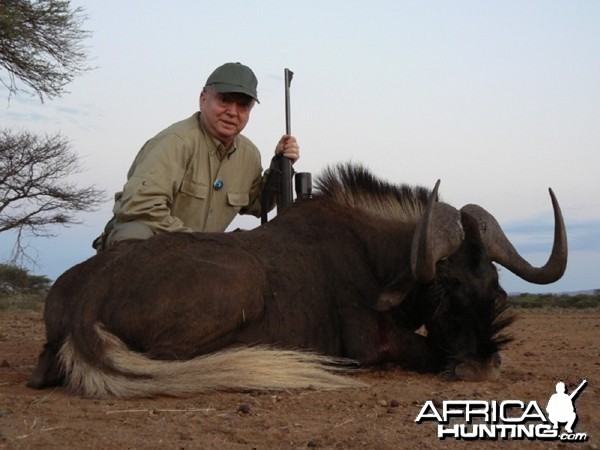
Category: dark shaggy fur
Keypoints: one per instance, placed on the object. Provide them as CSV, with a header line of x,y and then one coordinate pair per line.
x,y
357,187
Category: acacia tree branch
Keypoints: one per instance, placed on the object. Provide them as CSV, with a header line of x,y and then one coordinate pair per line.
x,y
41,46
34,191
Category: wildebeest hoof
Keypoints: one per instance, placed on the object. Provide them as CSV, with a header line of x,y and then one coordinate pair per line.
x,y
36,381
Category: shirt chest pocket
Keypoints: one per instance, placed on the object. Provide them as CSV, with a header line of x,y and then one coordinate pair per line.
x,y
201,207
199,191
238,199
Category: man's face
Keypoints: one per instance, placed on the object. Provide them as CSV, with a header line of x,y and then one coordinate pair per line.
x,y
225,115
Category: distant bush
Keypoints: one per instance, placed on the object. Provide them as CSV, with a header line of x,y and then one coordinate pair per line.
x,y
19,290
562,301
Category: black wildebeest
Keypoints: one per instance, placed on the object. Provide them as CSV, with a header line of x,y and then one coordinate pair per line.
x,y
351,273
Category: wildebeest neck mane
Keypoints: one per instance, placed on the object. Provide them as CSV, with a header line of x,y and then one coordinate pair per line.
x,y
355,186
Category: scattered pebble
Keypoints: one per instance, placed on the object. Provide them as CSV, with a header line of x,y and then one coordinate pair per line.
x,y
244,408
185,436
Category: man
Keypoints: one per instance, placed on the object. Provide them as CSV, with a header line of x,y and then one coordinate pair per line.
x,y
560,408
197,174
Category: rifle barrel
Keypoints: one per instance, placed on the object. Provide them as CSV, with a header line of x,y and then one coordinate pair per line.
x,y
576,391
284,191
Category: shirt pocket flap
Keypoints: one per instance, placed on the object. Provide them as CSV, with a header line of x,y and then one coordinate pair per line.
x,y
194,189
238,198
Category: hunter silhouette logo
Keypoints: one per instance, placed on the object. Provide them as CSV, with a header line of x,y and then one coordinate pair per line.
x,y
560,406
507,419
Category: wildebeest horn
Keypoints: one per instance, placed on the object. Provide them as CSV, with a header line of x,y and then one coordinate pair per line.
x,y
503,252
438,234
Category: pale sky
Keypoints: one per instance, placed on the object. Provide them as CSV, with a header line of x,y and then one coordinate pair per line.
x,y
498,99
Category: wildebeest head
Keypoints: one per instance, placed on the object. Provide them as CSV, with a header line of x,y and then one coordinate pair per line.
x,y
447,280
452,260
449,283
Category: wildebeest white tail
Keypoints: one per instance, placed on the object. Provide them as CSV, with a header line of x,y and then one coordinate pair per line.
x,y
124,373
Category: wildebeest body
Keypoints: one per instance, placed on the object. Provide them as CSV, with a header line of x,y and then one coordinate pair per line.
x,y
271,285
332,274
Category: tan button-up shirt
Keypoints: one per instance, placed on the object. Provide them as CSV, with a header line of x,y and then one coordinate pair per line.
x,y
171,184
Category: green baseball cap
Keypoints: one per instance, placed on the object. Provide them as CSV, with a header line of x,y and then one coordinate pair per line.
x,y
234,77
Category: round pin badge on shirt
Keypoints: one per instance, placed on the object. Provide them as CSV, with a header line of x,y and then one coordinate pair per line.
x,y
218,184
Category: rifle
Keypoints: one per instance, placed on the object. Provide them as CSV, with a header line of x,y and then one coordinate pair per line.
x,y
279,177
284,185
573,394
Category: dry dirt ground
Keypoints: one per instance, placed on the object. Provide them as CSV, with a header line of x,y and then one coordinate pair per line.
x,y
548,347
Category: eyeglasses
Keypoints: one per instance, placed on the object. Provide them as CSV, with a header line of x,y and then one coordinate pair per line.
x,y
224,100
